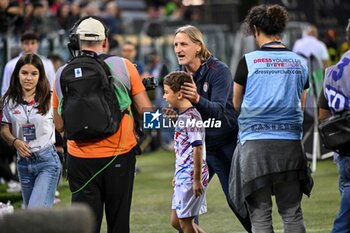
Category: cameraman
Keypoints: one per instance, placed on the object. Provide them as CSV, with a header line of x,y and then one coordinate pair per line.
x,y
9,12
112,189
337,87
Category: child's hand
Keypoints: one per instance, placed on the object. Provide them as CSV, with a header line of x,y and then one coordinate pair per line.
x,y
197,188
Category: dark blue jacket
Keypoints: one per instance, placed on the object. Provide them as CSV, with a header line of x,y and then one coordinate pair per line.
x,y
215,86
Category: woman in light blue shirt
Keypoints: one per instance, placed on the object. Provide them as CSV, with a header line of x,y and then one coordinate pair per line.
x,y
269,92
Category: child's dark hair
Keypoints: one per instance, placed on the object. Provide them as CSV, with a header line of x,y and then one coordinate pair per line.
x,y
270,19
176,79
30,35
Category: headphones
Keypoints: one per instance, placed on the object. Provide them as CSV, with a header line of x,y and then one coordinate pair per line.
x,y
74,39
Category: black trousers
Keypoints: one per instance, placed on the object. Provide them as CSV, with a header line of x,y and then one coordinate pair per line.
x,y
110,189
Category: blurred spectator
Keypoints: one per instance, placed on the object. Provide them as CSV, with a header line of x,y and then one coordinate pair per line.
x,y
90,8
56,60
75,10
316,54
332,46
29,44
64,17
9,14
174,9
27,18
129,51
43,21
113,45
158,69
56,5
112,18
309,44
193,14
155,11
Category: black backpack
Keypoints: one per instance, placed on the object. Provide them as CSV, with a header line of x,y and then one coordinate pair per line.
x,y
90,108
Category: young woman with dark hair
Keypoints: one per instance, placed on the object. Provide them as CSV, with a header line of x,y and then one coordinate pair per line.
x,y
28,125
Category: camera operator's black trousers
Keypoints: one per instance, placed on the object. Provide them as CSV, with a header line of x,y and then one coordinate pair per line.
x,y
111,188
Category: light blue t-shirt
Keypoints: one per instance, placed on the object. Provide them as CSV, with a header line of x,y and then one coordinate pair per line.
x,y
271,107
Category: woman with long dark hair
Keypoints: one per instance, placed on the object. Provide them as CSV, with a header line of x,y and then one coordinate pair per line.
x,y
28,125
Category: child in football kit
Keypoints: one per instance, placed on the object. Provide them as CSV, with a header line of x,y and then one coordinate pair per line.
x,y
191,171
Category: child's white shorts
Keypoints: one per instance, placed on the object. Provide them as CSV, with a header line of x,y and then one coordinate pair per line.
x,y
186,204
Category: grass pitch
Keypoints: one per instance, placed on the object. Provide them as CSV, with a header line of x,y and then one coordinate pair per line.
x,y
152,199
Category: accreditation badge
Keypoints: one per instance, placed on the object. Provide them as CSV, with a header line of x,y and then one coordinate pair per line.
x,y
29,133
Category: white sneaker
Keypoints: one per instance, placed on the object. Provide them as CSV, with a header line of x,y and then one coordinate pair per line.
x,y
2,181
13,186
6,208
56,201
